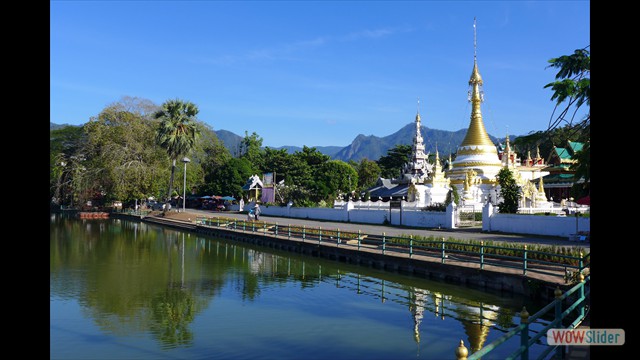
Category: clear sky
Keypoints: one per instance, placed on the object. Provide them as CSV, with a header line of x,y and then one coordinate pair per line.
x,y
314,73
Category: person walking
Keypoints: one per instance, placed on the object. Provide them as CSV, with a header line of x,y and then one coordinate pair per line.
x,y
256,211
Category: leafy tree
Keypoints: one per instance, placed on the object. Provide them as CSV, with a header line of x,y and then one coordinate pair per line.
x,y
231,176
208,155
122,157
391,164
278,161
333,178
312,156
177,132
368,173
311,161
64,146
251,149
509,191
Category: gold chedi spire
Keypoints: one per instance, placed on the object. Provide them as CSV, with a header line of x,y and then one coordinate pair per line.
x,y
477,152
476,134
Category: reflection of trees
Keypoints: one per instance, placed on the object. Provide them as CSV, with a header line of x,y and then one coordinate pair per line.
x,y
173,311
120,273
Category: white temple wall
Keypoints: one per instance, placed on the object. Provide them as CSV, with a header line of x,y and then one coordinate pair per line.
x,y
533,224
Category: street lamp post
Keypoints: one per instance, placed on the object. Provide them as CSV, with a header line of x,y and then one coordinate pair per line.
x,y
185,160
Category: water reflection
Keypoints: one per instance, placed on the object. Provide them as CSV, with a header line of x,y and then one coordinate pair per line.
x,y
133,279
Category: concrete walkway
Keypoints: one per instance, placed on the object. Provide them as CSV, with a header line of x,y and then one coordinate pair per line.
x,y
459,234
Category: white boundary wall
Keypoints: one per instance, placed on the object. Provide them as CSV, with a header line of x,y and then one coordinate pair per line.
x,y
367,213
372,213
533,224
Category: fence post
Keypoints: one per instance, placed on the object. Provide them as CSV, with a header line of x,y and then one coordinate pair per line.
x,y
410,246
235,224
524,335
303,232
276,229
244,226
384,242
524,263
443,251
319,235
461,351
558,319
358,239
253,226
289,231
481,254
338,242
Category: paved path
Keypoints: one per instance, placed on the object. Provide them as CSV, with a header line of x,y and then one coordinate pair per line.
x,y
464,233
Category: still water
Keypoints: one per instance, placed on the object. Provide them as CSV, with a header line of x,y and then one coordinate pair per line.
x,y
128,290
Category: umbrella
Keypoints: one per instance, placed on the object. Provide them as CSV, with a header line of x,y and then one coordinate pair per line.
x,y
206,197
227,198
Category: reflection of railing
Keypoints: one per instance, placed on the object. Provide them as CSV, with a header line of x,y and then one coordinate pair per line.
x,y
138,212
471,252
582,288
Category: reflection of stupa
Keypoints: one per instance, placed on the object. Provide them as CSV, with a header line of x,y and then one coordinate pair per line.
x,y
418,302
477,322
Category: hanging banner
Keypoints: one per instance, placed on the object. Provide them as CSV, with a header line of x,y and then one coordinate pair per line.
x,y
268,195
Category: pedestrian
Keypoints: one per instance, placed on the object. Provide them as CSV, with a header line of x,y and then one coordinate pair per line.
x,y
256,210
250,215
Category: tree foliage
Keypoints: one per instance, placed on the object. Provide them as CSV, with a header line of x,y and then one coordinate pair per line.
x,y
251,150
368,173
391,164
572,88
509,191
335,177
177,132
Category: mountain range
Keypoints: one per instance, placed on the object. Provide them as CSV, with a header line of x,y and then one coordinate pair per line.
x,y
363,146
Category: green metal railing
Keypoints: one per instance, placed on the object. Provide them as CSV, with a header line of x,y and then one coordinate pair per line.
x,y
522,259
526,341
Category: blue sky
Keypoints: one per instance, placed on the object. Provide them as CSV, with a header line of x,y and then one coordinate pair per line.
x,y
314,73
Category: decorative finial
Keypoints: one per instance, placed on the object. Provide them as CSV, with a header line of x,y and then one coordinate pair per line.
x,y
418,104
475,44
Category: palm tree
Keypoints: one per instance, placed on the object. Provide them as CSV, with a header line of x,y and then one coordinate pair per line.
x,y
178,131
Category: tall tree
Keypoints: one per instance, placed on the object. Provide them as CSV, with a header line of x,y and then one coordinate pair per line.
x,y
335,177
368,173
391,164
177,132
509,191
251,149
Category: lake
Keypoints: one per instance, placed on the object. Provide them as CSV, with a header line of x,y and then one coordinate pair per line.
x,y
128,290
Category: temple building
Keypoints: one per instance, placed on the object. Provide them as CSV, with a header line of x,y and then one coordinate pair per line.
x,y
420,180
528,174
560,176
473,172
